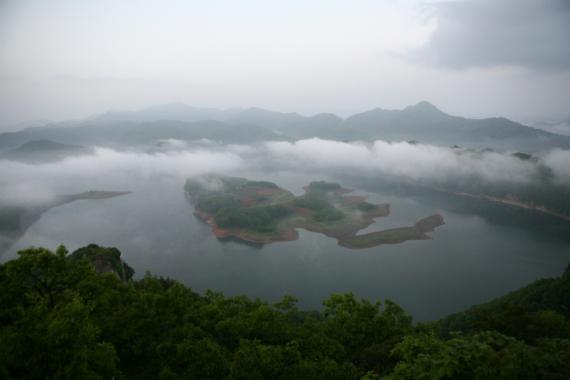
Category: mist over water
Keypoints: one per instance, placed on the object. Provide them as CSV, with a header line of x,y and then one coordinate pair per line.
x,y
471,259
25,183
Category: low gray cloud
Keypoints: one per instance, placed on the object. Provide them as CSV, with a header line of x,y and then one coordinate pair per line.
x,y
558,160
107,169
409,161
534,34
113,170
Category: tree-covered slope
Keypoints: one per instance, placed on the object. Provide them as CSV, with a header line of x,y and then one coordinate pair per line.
x,y
528,313
62,319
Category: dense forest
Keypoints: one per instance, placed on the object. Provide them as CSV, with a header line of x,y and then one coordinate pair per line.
x,y
239,203
82,316
318,200
226,206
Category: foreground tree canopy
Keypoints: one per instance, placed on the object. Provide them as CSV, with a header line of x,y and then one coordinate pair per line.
x,y
80,316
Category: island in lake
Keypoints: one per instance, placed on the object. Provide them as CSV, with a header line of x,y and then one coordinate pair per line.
x,y
261,212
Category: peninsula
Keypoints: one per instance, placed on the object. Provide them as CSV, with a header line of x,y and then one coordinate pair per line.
x,y
15,220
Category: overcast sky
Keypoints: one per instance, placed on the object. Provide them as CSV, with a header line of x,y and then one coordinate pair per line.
x,y
67,59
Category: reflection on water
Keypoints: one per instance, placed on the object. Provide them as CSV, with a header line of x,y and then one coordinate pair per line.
x,y
471,259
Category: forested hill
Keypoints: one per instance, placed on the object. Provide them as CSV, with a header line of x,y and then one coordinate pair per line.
x,y
79,317
544,302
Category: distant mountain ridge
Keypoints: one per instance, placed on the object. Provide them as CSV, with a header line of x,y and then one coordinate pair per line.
x,y
421,122
170,111
561,127
426,123
44,151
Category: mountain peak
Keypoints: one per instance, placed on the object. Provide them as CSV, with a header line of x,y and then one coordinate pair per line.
x,y
423,106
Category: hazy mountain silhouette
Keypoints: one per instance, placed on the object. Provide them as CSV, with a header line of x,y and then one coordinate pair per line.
x,y
422,122
171,111
426,123
561,127
44,151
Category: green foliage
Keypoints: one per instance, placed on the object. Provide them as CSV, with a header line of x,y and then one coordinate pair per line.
x,y
260,198
365,330
61,319
366,206
46,329
213,203
266,184
317,199
104,260
486,355
313,201
262,219
318,202
537,310
542,189
324,186
220,197
329,215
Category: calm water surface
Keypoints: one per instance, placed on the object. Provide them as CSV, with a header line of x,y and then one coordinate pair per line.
x,y
471,259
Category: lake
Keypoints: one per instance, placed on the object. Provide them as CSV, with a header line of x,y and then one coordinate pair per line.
x,y
482,251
